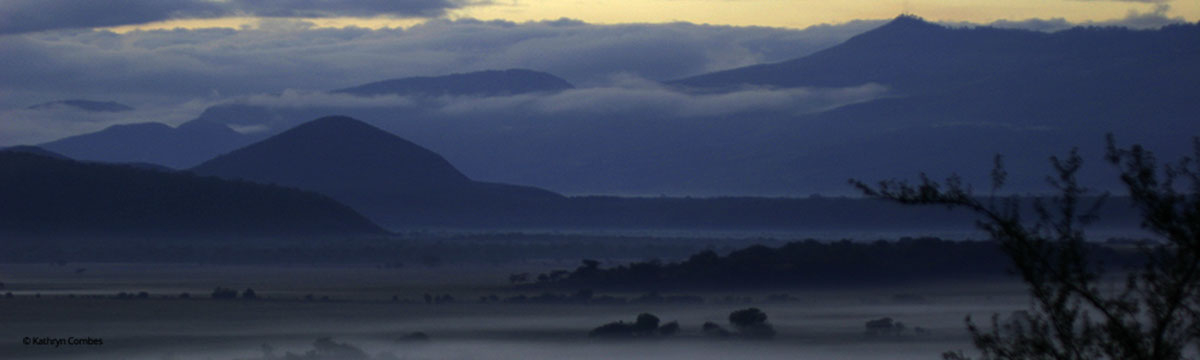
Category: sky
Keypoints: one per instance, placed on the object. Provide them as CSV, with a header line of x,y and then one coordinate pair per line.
x,y
170,59
28,15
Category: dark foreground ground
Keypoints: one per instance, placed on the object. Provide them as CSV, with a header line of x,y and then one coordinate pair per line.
x,y
372,310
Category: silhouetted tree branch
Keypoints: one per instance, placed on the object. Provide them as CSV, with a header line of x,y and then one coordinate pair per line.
x,y
1154,315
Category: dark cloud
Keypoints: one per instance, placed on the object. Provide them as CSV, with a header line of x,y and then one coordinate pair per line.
x,y
21,16
361,8
18,16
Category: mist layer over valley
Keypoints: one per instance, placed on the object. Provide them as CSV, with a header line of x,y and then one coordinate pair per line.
x,y
354,306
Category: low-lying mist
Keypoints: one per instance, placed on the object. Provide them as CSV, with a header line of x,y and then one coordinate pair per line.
x,y
372,313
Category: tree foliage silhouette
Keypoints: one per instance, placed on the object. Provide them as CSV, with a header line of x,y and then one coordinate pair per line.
x,y
1079,312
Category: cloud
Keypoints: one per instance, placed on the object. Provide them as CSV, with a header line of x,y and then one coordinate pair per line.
x,y
306,98
18,16
353,8
1155,18
1134,19
21,16
644,99
154,69
627,97
179,65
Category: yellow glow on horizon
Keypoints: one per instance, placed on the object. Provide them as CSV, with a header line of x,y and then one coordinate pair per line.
x,y
804,13
254,22
771,13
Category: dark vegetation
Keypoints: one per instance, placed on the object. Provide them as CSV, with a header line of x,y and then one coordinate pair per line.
x,y
645,326
415,336
887,327
589,297
408,250
750,323
45,197
813,213
1078,310
812,263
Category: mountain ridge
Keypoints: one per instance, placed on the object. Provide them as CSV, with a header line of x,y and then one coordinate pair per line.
x,y
392,180
52,197
151,142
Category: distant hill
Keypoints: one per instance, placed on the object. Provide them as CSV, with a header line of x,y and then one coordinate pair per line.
x,y
960,95
400,184
209,134
152,143
47,197
480,83
27,149
955,97
85,105
386,177
916,57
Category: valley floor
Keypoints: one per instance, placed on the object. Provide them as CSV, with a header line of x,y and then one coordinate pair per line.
x,y
373,309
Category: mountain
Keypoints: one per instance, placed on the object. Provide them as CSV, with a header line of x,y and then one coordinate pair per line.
x,y
955,97
916,57
85,105
209,134
48,197
153,143
480,83
392,180
27,149
960,95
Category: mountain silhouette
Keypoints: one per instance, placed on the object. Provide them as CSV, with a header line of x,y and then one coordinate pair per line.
x,y
480,83
915,57
960,95
47,197
29,149
955,97
386,177
209,134
85,105
152,143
